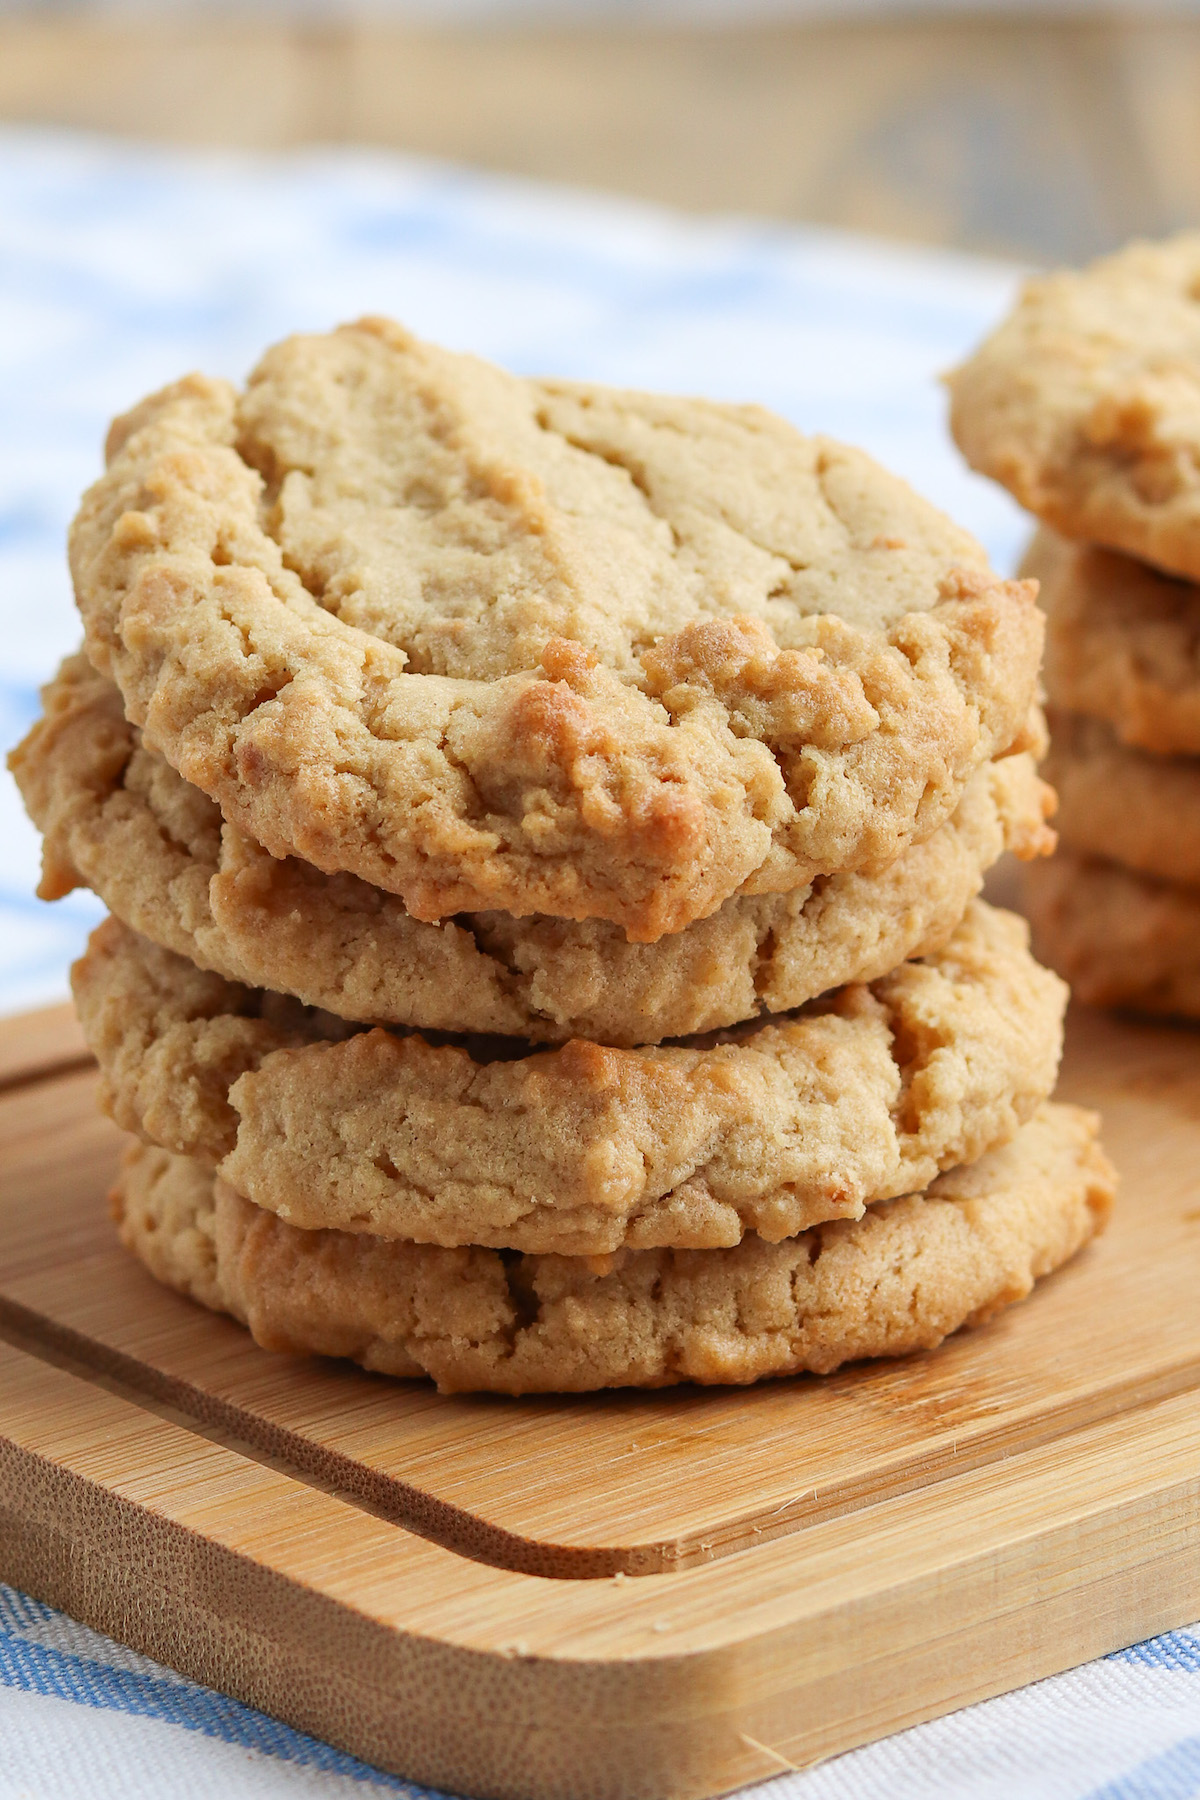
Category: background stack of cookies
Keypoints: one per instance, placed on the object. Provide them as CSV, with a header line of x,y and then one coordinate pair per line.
x,y
543,830
1086,405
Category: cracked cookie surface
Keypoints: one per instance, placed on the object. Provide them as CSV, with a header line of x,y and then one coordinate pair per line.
x,y
535,647
1085,402
900,1279
769,1128
118,818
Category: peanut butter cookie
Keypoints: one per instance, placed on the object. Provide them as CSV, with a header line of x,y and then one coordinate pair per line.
x,y
1119,937
535,647
1122,643
1115,802
1085,403
117,818
770,1128
900,1279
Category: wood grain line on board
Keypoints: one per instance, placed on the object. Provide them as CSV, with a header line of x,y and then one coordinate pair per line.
x,y
642,1483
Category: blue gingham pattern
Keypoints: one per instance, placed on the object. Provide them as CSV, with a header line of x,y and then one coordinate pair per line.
x,y
121,268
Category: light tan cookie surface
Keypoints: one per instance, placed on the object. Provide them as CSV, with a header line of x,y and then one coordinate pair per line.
x,y
898,1280
584,1149
1115,802
1085,402
1122,643
117,817
495,644
1119,937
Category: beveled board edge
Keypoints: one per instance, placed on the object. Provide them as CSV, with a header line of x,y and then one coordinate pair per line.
x,y
771,1660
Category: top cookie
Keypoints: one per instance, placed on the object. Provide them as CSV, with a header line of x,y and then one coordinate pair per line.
x,y
491,643
1085,402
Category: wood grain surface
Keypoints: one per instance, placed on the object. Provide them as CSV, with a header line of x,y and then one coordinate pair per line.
x,y
391,1569
1048,138
499,1478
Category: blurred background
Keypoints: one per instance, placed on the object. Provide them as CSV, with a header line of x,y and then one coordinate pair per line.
x,y
815,205
1040,131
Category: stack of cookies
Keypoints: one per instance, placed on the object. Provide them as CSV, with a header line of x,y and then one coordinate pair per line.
x,y
1086,405
543,829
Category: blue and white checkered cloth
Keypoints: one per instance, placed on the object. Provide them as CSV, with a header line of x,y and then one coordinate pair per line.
x,y
120,269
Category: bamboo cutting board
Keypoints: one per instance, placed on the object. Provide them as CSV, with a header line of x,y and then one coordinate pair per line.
x,y
619,1595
